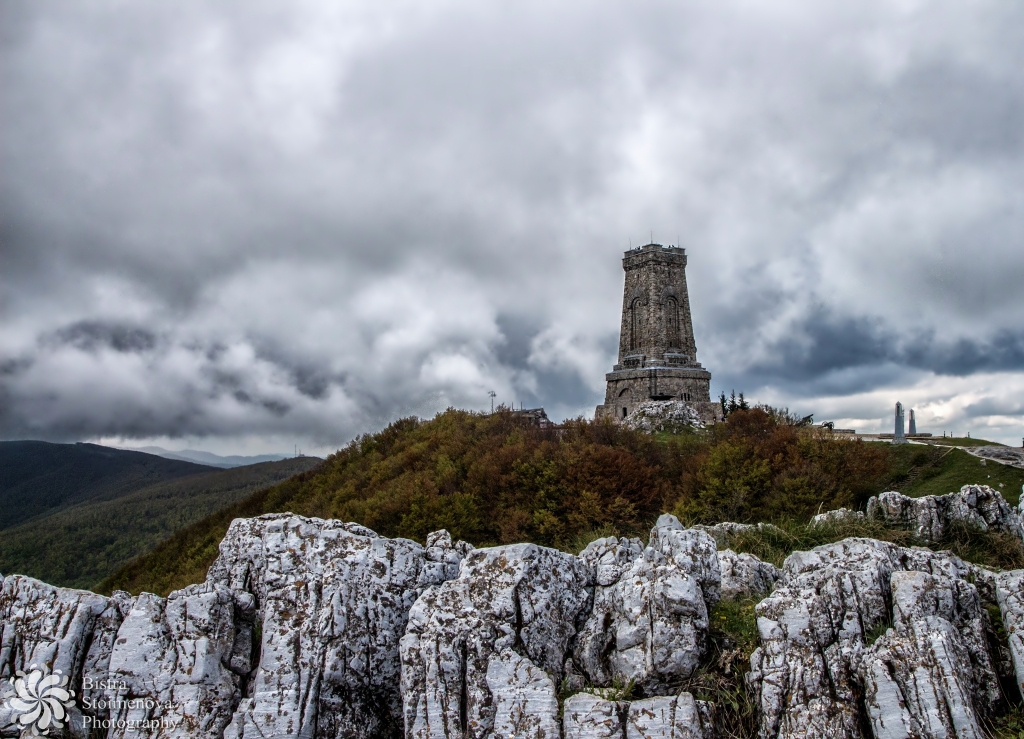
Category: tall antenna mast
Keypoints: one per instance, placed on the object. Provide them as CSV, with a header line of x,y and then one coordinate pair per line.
x,y
493,396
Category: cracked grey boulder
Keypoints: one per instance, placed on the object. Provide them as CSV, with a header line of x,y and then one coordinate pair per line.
x,y
58,629
838,516
177,653
1010,594
521,598
525,701
744,575
978,506
669,717
725,533
590,716
650,624
294,633
610,557
930,675
331,601
815,661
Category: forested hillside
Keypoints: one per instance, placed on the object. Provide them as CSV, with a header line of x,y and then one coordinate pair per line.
x,y
81,545
37,477
493,479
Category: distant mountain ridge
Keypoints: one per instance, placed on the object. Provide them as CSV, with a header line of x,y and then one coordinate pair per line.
x,y
72,514
208,458
38,478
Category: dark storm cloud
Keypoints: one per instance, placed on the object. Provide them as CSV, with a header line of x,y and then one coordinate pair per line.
x,y
826,352
300,220
91,335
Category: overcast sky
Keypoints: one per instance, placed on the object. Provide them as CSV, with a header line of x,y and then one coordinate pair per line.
x,y
242,226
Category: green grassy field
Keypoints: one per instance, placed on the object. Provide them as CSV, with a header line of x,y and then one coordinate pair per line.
x,y
960,441
937,470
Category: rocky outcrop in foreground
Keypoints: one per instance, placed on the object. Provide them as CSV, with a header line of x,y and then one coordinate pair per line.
x,y
865,629
312,628
931,516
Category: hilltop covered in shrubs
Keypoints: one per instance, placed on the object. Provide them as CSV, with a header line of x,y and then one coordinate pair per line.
x,y
494,479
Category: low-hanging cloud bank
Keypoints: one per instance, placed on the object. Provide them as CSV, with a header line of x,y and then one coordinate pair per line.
x,y
297,220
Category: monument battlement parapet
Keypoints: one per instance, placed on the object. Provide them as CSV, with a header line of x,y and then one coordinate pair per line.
x,y
653,254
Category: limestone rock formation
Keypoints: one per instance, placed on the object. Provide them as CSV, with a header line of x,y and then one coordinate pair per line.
x,y
63,630
1007,455
663,415
930,675
525,700
978,506
816,656
1010,594
589,716
480,648
724,533
744,575
669,717
610,557
838,516
312,628
294,633
649,624
332,600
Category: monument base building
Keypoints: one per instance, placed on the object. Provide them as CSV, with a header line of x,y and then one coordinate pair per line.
x,y
657,352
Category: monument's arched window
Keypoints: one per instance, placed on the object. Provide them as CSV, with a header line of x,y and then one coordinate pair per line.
x,y
672,322
636,324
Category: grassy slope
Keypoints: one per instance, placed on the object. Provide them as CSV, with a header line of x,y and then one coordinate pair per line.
x,y
960,441
38,478
81,545
937,470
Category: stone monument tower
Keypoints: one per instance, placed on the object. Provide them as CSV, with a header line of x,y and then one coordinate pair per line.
x,y
899,437
657,353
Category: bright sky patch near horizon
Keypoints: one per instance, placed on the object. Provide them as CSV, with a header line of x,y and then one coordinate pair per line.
x,y
245,226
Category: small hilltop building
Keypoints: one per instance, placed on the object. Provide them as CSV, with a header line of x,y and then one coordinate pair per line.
x,y
657,353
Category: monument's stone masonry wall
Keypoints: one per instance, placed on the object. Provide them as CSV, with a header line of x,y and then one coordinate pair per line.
x,y
657,352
